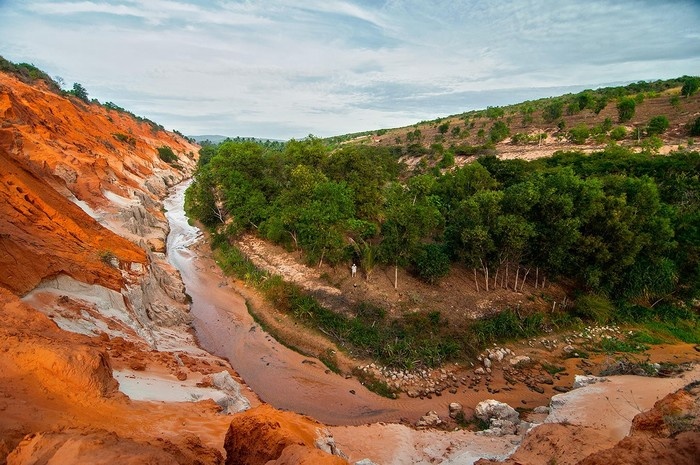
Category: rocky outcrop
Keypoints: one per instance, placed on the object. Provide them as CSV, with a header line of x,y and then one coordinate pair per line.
x,y
265,436
668,434
99,447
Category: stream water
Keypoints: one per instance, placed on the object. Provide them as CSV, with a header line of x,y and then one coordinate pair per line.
x,y
278,375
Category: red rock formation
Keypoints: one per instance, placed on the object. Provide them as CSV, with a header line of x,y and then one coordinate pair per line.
x,y
668,434
264,435
43,234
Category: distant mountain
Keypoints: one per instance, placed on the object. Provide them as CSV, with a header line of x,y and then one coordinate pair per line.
x,y
215,138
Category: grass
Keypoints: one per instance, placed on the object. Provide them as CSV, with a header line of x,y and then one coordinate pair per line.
x,y
374,384
424,339
552,369
615,345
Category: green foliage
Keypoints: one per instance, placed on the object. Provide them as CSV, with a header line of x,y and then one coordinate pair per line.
x,y
695,127
579,134
443,128
553,111
130,140
499,131
80,92
432,262
494,112
595,308
29,73
625,109
690,86
657,125
166,154
618,133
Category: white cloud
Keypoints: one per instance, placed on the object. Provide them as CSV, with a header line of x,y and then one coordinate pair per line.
x,y
282,68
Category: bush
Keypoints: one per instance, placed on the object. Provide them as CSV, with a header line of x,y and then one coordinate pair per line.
x,y
618,133
594,307
553,111
626,108
166,154
657,125
499,131
579,134
695,127
690,86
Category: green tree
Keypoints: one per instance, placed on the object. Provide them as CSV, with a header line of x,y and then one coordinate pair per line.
x,y
80,92
625,109
431,262
618,133
410,217
444,127
553,111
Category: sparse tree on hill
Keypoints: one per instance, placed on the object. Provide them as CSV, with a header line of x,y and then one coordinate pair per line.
x,y
79,91
626,108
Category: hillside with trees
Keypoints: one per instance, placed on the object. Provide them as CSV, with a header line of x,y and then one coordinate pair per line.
x,y
615,231
651,116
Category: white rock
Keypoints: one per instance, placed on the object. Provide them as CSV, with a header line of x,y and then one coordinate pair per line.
x,y
581,380
492,409
520,360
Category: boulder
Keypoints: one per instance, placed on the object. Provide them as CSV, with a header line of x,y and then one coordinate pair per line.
x,y
429,420
455,408
581,380
491,409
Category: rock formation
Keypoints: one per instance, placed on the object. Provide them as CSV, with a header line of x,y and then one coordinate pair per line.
x,y
264,435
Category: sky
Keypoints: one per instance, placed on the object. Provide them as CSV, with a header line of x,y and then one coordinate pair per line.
x,y
282,69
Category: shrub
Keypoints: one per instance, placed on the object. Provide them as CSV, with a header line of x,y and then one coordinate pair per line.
x,y
594,307
695,127
579,134
499,131
690,86
618,133
626,108
657,125
166,154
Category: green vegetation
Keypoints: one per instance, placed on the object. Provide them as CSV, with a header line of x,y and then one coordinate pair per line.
x,y
626,108
657,125
617,223
166,154
28,73
619,228
690,86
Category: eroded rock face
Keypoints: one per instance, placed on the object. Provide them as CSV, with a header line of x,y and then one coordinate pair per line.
x,y
101,447
264,435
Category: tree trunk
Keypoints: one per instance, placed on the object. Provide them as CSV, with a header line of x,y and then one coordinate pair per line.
x,y
495,278
537,276
544,281
522,285
476,281
396,276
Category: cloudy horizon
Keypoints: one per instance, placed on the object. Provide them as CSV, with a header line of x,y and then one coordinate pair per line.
x,y
278,69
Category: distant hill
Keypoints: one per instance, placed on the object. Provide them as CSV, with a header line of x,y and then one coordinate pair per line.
x,y
216,138
585,121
